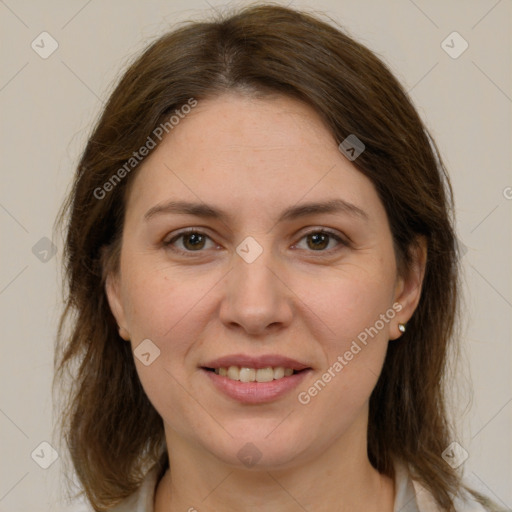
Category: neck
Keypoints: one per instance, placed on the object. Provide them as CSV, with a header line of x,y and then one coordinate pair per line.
x,y
341,478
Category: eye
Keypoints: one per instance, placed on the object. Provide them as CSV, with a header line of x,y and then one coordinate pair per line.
x,y
319,240
191,241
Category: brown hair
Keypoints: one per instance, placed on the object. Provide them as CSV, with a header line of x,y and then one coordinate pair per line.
x,y
111,429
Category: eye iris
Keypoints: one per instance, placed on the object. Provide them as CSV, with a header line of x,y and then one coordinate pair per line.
x,y
316,241
197,240
318,237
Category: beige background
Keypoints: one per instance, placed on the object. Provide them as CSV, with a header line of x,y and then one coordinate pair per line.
x,y
48,106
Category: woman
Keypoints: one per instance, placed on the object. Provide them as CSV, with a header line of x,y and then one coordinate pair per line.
x,y
262,277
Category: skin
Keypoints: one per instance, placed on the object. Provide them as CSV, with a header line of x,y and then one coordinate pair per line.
x,y
254,158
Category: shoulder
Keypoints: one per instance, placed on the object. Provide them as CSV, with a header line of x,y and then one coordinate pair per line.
x,y
464,501
473,496
412,496
142,500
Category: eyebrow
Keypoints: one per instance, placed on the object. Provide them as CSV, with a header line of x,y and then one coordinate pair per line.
x,y
293,212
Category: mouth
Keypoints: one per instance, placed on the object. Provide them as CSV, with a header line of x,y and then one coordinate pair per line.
x,y
247,374
254,386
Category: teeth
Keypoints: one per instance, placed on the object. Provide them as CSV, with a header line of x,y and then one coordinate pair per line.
x,y
245,374
264,374
279,372
233,373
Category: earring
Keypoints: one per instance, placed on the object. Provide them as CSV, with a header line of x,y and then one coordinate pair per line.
x,y
401,328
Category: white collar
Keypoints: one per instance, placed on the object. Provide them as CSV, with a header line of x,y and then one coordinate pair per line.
x,y
410,495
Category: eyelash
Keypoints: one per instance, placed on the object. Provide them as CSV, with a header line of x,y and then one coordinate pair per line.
x,y
340,240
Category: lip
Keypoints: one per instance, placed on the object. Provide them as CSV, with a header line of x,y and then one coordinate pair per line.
x,y
263,361
255,392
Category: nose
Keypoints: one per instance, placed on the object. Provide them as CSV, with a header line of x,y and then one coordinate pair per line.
x,y
256,298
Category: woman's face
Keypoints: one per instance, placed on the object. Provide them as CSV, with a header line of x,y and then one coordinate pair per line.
x,y
260,282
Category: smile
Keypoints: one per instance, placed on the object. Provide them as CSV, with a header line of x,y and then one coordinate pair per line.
x,y
242,384
244,374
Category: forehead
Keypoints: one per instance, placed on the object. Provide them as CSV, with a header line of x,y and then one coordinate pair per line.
x,y
249,131
244,152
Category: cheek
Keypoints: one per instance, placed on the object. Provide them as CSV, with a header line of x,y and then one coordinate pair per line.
x,y
357,308
160,301
169,311
172,309
352,301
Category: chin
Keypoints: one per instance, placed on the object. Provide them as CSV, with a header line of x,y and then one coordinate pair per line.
x,y
259,448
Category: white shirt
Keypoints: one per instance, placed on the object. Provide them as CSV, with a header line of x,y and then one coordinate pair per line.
x,y
410,496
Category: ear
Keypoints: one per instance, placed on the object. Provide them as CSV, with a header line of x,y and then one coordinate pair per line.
x,y
408,286
115,303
